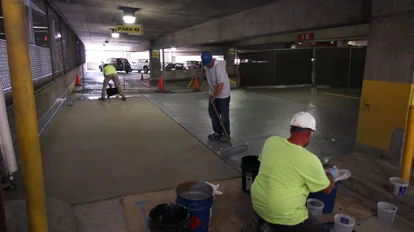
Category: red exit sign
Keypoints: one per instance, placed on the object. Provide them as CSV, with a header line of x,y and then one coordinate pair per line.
x,y
307,36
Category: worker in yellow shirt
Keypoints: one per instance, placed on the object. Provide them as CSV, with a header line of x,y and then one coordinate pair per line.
x,y
110,73
287,174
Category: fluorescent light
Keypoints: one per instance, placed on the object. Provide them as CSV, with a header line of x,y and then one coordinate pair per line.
x,y
173,49
115,35
129,19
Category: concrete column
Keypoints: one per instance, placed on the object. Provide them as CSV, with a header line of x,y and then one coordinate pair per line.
x,y
155,63
229,56
388,82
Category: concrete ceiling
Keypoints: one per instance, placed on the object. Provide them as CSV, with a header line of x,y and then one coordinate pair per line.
x,y
92,19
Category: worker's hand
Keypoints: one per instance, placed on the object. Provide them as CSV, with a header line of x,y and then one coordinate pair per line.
x,y
333,171
211,99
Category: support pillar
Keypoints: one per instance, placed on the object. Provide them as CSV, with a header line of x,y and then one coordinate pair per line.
x,y
387,91
25,112
155,62
229,56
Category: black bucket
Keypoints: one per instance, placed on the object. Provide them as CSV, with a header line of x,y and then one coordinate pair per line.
x,y
250,168
169,217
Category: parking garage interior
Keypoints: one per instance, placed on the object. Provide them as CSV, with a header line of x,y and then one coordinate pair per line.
x,y
349,64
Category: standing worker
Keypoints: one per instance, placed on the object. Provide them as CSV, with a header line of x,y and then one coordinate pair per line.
x,y
110,73
287,174
219,95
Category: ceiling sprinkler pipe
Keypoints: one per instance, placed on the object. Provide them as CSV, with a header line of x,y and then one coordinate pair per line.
x,y
6,142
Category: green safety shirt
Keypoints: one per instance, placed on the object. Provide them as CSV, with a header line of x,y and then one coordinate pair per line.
x,y
109,69
286,176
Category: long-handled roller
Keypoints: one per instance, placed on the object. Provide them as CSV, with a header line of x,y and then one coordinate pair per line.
x,y
232,150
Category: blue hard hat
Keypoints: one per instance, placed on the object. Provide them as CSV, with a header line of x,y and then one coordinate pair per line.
x,y
206,57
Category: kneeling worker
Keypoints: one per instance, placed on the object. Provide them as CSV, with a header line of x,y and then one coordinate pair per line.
x,y
288,173
110,73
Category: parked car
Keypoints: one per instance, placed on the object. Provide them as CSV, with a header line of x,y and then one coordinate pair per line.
x,y
121,64
174,66
192,64
141,65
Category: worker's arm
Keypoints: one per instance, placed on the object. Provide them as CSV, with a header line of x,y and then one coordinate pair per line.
x,y
314,175
331,186
219,88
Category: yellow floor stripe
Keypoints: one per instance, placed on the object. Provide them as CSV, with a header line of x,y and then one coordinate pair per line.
x,y
232,81
340,95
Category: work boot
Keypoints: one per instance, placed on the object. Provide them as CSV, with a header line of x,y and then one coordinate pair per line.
x,y
124,99
214,136
101,99
223,139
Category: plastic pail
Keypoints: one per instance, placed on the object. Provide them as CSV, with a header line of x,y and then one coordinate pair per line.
x,y
198,198
315,207
343,223
168,217
386,212
250,168
398,186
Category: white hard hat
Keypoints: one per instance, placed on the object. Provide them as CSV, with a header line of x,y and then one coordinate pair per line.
x,y
304,120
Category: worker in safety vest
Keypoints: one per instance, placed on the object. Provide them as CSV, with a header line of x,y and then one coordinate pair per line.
x,y
287,174
219,95
110,73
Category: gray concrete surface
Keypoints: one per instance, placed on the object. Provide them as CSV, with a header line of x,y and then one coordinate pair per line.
x,y
60,216
254,117
99,150
276,18
102,216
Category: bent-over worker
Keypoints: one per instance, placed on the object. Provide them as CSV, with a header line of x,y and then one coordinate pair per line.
x,y
110,73
219,95
287,174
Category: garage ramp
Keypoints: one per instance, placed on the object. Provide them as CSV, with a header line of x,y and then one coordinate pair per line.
x,y
99,150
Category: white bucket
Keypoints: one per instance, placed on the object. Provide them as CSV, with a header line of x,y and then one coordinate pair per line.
x,y
386,212
315,207
343,223
398,186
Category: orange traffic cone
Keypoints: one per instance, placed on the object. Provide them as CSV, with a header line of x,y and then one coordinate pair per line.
x,y
77,83
161,84
196,85
142,76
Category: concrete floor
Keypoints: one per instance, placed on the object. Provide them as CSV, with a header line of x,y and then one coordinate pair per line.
x,y
99,150
257,115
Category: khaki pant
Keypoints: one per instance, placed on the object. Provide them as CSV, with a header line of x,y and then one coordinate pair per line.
x,y
115,79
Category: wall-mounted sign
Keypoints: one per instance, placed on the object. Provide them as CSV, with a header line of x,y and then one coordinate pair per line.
x,y
306,36
155,54
130,29
231,51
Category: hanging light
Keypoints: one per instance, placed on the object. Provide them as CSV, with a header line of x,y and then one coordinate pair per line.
x,y
114,34
129,16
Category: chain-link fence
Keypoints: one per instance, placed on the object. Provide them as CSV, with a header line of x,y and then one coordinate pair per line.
x,y
337,67
53,46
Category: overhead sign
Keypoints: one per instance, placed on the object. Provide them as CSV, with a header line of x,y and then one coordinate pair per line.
x,y
130,29
307,36
231,51
155,54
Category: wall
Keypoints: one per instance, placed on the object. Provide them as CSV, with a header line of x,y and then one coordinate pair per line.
x,y
48,99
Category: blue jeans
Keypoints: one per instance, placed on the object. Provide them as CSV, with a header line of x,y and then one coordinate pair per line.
x,y
222,106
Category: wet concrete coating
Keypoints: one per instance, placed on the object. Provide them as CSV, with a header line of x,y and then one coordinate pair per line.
x,y
255,116
98,150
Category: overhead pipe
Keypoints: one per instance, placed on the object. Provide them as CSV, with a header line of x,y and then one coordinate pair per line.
x,y
6,142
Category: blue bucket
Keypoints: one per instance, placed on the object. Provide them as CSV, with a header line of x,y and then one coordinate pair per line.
x,y
327,199
197,197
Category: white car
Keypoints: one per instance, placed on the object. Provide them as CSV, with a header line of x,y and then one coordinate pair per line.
x,y
141,65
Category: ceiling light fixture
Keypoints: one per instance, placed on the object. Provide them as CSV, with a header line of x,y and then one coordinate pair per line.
x,y
129,14
173,48
114,34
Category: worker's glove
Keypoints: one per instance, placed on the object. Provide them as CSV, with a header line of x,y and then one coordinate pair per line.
x,y
333,171
211,99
